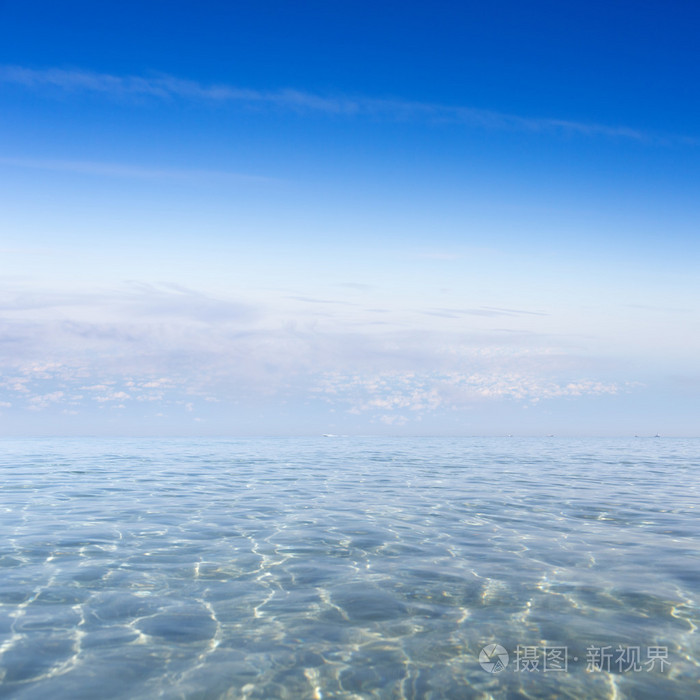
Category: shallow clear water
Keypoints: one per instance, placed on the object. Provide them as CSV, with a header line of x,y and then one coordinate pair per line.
x,y
348,568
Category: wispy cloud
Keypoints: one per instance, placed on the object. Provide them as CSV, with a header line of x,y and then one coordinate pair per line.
x,y
166,87
135,300
311,300
427,391
83,167
488,311
168,345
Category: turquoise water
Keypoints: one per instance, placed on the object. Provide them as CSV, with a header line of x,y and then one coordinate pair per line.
x,y
349,568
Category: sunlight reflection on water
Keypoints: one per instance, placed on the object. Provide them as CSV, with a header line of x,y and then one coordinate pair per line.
x,y
355,568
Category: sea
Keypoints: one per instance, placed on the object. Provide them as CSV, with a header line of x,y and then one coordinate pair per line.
x,y
353,568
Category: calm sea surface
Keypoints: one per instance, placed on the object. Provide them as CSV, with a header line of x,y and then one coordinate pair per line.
x,y
349,568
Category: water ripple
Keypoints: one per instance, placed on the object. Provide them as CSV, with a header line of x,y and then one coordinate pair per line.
x,y
343,568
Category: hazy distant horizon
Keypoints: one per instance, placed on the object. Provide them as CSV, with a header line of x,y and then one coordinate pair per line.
x,y
313,436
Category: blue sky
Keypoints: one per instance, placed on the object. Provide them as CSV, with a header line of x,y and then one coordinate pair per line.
x,y
326,217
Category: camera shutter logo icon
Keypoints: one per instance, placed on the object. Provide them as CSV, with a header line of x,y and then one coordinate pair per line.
x,y
493,658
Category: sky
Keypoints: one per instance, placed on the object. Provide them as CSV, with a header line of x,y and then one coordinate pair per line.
x,y
392,218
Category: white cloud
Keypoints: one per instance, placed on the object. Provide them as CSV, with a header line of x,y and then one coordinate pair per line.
x,y
127,171
113,396
169,346
37,403
424,392
393,419
169,87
